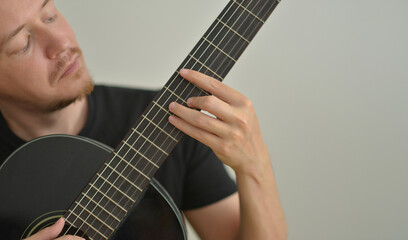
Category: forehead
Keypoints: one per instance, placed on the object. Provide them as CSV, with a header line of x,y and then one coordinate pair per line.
x,y
16,12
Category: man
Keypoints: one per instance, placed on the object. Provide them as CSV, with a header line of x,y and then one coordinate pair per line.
x,y
44,86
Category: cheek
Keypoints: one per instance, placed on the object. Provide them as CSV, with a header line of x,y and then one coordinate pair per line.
x,y
28,76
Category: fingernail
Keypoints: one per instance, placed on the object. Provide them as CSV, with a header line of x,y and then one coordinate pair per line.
x,y
189,101
184,71
171,119
171,106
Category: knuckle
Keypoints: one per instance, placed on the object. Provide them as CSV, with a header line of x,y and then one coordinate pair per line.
x,y
242,121
236,135
209,101
213,84
247,103
224,149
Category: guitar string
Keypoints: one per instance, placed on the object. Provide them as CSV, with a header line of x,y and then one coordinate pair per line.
x,y
101,186
219,53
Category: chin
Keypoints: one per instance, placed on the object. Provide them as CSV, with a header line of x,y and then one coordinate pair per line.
x,y
82,92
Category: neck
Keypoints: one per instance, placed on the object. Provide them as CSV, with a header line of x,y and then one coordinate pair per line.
x,y
30,125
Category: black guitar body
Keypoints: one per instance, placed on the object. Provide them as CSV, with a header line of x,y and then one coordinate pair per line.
x,y
40,181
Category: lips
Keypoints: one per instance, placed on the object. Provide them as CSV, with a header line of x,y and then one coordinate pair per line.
x,y
71,68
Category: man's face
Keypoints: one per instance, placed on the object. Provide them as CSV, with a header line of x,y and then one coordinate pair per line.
x,y
41,65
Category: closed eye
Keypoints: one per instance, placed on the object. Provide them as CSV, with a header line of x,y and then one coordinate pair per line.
x,y
26,46
51,19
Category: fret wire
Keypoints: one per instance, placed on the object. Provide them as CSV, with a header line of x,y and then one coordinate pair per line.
x,y
184,101
239,4
195,87
89,225
107,197
205,66
169,113
227,46
156,135
173,128
227,29
233,46
147,138
164,102
213,58
139,171
267,9
150,141
158,127
242,47
97,204
70,223
91,213
117,189
201,91
181,87
98,212
131,147
219,49
244,20
130,175
135,186
232,30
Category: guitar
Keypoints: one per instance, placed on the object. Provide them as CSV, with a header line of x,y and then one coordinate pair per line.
x,y
100,191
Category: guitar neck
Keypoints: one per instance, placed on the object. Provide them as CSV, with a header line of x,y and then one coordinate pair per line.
x,y
120,182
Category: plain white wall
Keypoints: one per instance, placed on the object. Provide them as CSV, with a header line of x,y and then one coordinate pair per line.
x,y
329,82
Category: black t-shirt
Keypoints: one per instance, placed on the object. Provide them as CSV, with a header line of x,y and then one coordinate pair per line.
x,y
192,174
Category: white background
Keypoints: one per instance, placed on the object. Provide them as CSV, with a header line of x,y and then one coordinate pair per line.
x,y
328,80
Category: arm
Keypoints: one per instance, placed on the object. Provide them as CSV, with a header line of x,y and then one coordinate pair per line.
x,y
236,139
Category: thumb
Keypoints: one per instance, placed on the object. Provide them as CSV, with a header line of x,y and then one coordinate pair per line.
x,y
50,232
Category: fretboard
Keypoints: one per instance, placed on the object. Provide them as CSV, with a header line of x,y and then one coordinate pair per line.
x,y
119,183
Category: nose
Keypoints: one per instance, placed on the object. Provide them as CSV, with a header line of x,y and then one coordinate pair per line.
x,y
58,43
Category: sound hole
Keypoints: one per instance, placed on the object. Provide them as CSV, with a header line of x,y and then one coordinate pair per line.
x,y
42,222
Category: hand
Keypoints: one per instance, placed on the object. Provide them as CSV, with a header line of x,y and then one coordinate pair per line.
x,y
52,232
235,135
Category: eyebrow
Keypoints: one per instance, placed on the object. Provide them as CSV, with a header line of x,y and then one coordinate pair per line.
x,y
14,33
